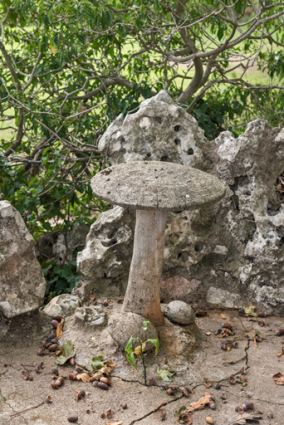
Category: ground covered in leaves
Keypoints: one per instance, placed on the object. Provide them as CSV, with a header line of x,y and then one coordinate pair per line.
x,y
237,372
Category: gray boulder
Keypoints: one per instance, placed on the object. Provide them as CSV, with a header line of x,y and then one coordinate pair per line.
x,y
22,284
179,312
93,316
64,304
122,326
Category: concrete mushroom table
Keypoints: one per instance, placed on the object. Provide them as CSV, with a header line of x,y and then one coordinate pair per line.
x,y
153,188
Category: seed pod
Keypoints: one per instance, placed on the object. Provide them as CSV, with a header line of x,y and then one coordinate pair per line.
x,y
72,419
53,348
227,326
279,332
184,391
124,406
213,398
209,420
48,344
55,385
283,350
43,343
72,376
58,317
239,409
224,346
55,323
105,303
72,361
248,405
95,384
54,341
40,352
212,405
262,314
235,344
58,352
103,415
109,414
243,378
170,391
48,400
102,386
105,380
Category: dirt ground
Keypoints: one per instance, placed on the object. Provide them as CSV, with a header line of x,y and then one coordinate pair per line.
x,y
146,404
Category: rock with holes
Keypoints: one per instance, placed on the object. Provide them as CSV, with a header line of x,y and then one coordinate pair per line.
x,y
235,247
159,131
93,316
105,261
22,284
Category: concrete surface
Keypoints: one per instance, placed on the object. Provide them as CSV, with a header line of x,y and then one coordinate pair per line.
x,y
207,362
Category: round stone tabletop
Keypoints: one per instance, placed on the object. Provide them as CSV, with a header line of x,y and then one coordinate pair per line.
x,y
157,185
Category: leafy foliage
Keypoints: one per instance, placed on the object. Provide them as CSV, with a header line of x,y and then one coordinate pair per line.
x,y
69,68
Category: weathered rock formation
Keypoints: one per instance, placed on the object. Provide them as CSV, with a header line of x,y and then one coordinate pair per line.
x,y
228,255
22,284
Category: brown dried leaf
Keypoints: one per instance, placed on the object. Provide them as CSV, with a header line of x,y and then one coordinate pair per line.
x,y
208,384
200,404
242,419
255,343
59,329
223,316
25,375
232,380
83,377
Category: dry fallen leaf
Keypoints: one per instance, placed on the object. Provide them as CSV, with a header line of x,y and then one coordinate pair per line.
x,y
83,377
223,316
277,376
137,350
208,384
255,343
200,404
242,419
59,329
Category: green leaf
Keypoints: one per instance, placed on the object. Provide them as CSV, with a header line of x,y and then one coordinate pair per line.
x,y
67,353
155,342
97,362
165,374
129,348
131,358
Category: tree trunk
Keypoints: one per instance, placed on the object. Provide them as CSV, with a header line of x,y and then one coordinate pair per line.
x,y
143,291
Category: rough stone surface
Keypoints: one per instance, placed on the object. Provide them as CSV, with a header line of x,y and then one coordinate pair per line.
x,y
179,288
59,247
221,298
64,304
105,261
158,131
236,246
90,316
22,284
149,185
179,341
122,326
180,312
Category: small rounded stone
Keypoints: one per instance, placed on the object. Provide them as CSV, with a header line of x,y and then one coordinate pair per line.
x,y
180,312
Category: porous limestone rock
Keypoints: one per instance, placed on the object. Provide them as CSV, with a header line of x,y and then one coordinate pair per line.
x,y
180,312
158,131
122,326
90,316
59,247
105,261
236,246
22,284
64,304
178,341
